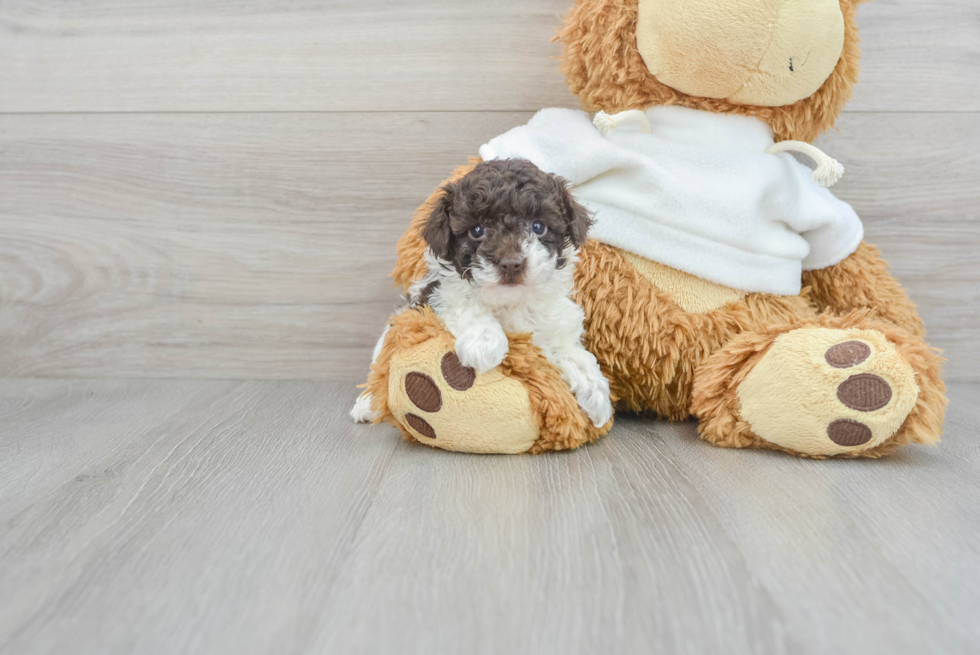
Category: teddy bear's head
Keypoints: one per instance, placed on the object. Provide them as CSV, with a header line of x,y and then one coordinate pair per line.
x,y
791,63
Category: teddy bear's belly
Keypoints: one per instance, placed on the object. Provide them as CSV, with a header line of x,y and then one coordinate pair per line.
x,y
689,292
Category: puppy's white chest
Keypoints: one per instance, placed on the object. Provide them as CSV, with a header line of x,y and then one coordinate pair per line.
x,y
513,319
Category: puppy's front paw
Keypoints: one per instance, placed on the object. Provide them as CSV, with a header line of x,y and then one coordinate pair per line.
x,y
584,378
483,347
361,412
595,402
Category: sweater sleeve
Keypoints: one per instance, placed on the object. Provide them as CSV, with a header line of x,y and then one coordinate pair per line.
x,y
829,225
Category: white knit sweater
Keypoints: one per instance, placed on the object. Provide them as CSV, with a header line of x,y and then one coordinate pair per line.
x,y
698,193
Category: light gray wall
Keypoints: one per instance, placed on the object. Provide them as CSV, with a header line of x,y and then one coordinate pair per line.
x,y
215,191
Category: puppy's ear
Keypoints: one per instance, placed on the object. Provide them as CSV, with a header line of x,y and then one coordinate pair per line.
x,y
438,233
578,219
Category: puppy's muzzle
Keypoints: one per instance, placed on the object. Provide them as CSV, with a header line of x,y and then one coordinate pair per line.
x,y
511,270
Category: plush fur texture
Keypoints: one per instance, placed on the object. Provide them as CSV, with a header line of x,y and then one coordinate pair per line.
x,y
654,352
663,358
603,67
647,345
561,424
716,403
449,407
794,398
862,281
502,243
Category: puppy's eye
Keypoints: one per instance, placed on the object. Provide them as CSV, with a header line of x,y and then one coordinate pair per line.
x,y
538,228
478,232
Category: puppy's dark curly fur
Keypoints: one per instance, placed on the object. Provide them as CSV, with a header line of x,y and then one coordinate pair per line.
x,y
505,198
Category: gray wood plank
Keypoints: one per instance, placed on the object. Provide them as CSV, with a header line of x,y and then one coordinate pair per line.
x,y
258,520
263,241
357,55
608,549
677,544
919,56
53,432
257,246
371,55
218,530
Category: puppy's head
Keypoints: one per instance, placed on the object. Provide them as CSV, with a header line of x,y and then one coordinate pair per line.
x,y
506,224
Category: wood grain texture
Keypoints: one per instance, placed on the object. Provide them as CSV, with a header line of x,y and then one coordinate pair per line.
x,y
215,245
343,55
257,246
385,55
55,433
235,512
252,517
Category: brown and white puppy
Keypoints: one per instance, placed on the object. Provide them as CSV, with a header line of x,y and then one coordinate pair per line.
x,y
493,218
502,246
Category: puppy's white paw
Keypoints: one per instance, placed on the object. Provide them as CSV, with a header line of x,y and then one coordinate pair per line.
x,y
361,412
482,347
595,402
584,378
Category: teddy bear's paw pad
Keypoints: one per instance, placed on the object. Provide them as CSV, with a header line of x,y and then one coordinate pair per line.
x,y
420,425
423,392
447,405
845,432
864,392
821,391
457,376
847,354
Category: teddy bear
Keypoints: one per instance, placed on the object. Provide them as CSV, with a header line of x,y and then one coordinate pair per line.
x,y
723,280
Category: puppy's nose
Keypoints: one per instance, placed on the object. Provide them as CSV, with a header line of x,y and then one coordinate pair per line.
x,y
511,267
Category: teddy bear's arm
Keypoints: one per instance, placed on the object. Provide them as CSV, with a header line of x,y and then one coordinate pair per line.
x,y
410,265
862,281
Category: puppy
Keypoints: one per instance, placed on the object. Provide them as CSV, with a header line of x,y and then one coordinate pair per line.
x,y
502,246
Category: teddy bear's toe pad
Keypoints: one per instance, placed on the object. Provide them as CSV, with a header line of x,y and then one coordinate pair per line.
x,y
821,391
446,405
845,432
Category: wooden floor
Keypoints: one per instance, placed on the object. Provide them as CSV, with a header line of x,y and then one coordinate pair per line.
x,y
224,517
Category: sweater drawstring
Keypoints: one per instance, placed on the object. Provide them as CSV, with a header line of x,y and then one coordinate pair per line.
x,y
827,173
609,122
828,170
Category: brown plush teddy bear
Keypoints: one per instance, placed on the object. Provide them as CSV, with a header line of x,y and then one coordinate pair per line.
x,y
721,280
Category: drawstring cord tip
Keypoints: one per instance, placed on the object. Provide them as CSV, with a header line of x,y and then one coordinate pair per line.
x,y
828,171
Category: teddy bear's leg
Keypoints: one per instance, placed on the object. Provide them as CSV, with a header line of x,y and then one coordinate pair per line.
x,y
850,386
862,281
418,385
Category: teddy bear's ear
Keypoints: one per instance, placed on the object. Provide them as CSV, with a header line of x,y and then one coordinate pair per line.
x,y
438,233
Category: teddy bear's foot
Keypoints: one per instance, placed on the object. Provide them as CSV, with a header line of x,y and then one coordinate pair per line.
x,y
839,387
419,385
441,403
